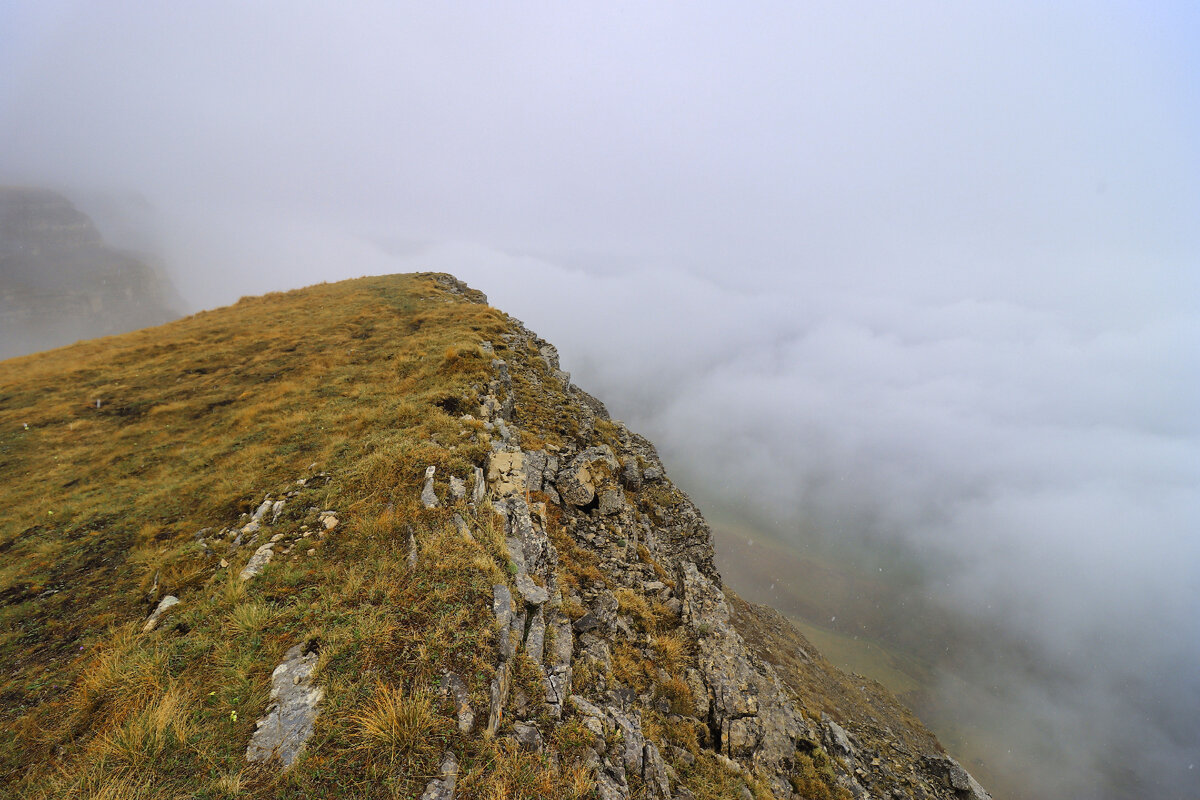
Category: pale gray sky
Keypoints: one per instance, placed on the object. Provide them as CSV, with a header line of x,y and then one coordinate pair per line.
x,y
927,271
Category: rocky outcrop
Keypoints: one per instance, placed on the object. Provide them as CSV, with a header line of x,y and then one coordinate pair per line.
x,y
59,281
654,593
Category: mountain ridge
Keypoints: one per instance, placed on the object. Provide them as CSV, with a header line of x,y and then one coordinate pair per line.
x,y
394,531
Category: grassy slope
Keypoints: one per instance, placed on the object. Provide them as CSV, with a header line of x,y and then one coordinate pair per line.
x,y
198,421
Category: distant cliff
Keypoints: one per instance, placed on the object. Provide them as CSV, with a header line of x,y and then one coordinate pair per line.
x,y
60,282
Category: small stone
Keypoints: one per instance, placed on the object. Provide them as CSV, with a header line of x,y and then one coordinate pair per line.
x,y
455,687
260,559
461,525
223,563
534,595
262,509
428,496
443,788
458,488
528,737
312,552
479,489
163,605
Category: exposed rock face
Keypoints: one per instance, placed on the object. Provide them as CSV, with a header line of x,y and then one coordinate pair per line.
x,y
611,499
59,281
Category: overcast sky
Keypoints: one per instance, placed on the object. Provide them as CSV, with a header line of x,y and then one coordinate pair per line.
x,y
923,272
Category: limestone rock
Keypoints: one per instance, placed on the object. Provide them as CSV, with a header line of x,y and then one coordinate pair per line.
x,y
957,778
290,717
262,510
454,686
502,608
612,500
256,564
479,486
528,737
654,774
163,605
506,473
442,788
428,496
633,743
836,736
498,694
631,474
756,720
574,485
534,595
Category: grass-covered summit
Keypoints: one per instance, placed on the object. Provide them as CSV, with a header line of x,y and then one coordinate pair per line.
x,y
411,559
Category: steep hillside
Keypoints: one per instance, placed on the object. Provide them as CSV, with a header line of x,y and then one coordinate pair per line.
x,y
59,281
367,540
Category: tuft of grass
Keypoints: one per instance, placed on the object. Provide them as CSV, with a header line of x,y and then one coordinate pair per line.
x,y
512,774
813,777
150,733
250,617
400,724
672,649
638,608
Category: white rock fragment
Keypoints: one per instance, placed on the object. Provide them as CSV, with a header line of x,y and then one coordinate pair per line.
x,y
163,605
261,511
428,496
534,595
479,489
260,559
288,724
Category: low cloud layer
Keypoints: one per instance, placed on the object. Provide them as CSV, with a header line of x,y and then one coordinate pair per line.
x,y
922,280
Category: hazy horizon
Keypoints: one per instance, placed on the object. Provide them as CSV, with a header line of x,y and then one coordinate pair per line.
x,y
924,280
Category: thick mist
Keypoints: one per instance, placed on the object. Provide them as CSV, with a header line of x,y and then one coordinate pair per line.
x,y
919,282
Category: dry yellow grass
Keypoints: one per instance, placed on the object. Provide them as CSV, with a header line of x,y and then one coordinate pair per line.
x,y
400,723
